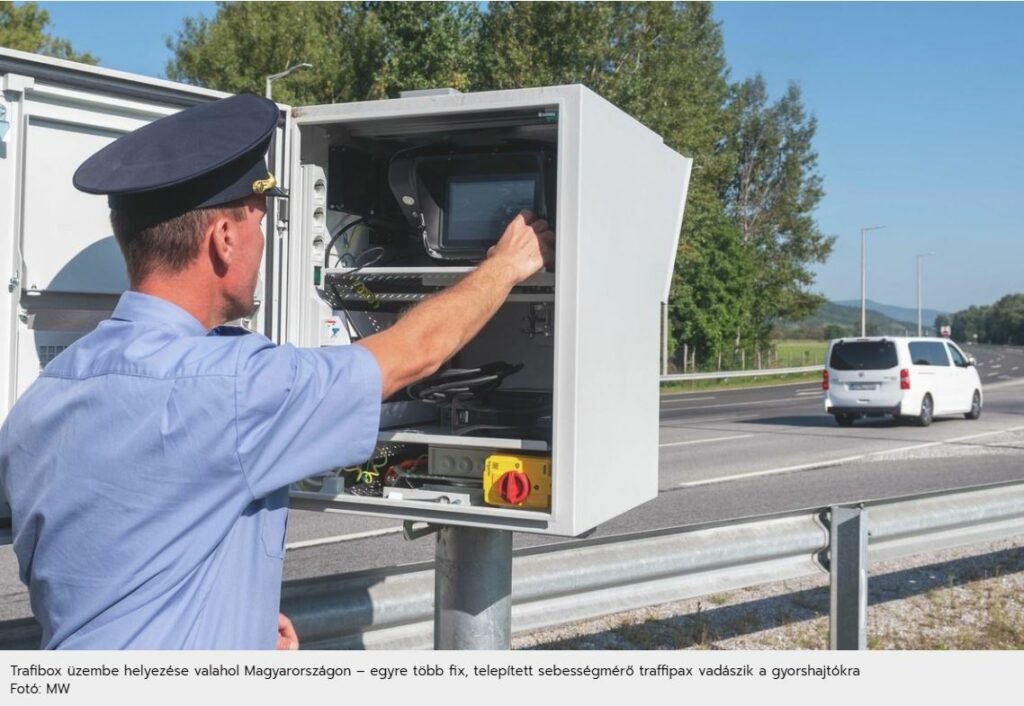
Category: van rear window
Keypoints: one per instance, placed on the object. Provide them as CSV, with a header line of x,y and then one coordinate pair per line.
x,y
863,355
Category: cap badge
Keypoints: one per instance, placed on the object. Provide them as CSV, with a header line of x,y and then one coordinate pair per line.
x,y
261,186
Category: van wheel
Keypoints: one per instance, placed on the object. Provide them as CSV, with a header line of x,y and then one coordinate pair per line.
x,y
927,412
975,407
845,420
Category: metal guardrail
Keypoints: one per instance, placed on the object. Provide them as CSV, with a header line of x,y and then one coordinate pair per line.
x,y
393,608
727,374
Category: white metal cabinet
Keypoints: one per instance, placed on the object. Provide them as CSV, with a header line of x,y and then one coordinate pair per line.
x,y
620,198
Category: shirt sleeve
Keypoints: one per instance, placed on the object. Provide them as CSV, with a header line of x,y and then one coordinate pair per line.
x,y
302,411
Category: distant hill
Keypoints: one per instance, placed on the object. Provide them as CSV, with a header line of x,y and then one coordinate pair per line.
x,y
899,313
848,318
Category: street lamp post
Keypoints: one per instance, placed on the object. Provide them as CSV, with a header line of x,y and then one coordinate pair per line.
x,y
864,279
919,258
287,72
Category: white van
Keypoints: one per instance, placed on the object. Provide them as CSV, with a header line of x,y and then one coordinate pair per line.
x,y
917,378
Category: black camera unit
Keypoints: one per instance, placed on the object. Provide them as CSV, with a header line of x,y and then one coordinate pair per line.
x,y
462,201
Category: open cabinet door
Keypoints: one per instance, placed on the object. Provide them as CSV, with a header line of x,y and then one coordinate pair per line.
x,y
56,241
62,268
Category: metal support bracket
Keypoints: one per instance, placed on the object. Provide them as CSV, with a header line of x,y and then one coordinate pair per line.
x,y
822,558
413,530
849,578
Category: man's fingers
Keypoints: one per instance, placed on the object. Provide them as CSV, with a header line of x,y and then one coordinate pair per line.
x,y
287,638
547,247
528,216
540,225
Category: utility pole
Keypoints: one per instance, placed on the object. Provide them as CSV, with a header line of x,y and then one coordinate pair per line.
x,y
919,258
864,278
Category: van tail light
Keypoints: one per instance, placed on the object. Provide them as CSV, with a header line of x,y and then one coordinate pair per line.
x,y
824,380
904,379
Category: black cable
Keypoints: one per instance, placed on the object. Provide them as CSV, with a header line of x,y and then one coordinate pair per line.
x,y
378,256
348,316
378,253
461,383
334,239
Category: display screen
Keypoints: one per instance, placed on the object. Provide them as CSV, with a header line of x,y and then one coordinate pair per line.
x,y
479,208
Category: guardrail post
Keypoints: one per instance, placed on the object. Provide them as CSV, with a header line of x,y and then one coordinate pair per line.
x,y
473,589
848,568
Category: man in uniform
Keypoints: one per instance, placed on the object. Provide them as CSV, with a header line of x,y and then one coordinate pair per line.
x,y
147,468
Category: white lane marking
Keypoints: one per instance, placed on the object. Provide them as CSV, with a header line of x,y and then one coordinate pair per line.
x,y
846,459
343,538
784,401
996,366
688,399
680,395
1000,385
743,417
705,441
773,471
1016,367
687,422
811,393
954,440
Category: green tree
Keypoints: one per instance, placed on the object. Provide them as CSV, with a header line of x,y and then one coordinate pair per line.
x,y
23,27
359,51
833,331
712,293
971,324
1006,320
638,56
772,193
1000,323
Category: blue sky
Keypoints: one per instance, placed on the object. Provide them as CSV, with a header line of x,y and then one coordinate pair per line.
x,y
920,109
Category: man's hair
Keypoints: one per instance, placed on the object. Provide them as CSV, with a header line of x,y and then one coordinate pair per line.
x,y
168,245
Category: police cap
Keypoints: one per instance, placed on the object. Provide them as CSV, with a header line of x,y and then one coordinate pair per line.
x,y
206,155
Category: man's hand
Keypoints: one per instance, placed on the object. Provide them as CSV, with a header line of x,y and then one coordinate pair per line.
x,y
436,328
286,637
527,244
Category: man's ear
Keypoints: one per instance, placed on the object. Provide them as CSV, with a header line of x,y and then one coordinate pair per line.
x,y
222,236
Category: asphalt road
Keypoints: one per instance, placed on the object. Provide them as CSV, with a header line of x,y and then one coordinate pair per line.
x,y
724,455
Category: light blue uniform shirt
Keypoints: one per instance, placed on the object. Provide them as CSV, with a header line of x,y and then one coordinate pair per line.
x,y
147,470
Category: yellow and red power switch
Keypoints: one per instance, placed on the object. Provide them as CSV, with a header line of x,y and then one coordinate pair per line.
x,y
518,481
